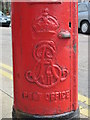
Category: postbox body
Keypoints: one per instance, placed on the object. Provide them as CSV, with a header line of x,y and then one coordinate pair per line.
x,y
45,57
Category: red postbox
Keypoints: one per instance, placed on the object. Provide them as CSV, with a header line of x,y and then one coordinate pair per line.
x,y
45,59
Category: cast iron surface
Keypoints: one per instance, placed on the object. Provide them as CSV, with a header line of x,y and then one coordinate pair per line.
x,y
45,65
66,116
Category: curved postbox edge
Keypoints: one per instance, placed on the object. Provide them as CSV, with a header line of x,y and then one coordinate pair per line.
x,y
16,114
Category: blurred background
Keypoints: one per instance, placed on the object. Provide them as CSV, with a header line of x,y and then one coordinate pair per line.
x,y
5,7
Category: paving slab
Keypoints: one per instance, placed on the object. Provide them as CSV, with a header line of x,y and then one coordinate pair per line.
x,y
6,103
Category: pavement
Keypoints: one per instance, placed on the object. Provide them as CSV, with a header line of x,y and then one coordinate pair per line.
x,y
6,74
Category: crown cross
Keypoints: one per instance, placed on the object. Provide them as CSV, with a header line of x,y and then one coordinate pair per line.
x,y
45,23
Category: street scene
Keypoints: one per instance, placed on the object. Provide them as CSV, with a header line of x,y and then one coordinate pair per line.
x,y
47,66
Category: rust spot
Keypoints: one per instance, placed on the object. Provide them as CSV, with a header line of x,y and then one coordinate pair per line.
x,y
74,47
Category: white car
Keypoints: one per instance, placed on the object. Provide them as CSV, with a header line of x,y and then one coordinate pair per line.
x,y
84,17
4,20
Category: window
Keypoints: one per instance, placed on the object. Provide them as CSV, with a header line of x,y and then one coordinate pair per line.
x,y
82,8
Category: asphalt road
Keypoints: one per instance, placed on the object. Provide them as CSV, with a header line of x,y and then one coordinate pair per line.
x,y
6,84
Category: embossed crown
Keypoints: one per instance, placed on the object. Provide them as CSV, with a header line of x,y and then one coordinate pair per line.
x,y
45,23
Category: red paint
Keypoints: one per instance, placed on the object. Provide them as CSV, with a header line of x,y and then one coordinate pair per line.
x,y
45,64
